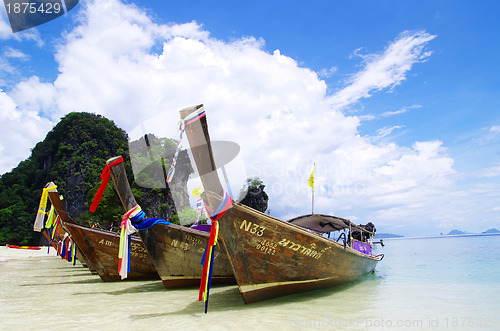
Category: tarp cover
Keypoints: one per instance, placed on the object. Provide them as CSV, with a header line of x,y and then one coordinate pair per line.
x,y
322,223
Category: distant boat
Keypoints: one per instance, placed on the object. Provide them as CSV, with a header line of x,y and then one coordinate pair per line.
x,y
271,257
100,247
24,247
176,250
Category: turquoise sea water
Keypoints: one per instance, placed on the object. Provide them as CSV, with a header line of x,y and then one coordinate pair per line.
x,y
446,283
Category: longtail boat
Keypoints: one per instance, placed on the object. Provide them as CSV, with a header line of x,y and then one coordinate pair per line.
x,y
56,235
176,250
57,241
24,247
100,247
271,257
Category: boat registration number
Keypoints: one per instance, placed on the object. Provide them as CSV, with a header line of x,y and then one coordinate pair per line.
x,y
267,247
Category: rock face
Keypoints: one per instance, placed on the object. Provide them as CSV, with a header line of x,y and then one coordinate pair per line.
x,y
256,198
151,157
73,155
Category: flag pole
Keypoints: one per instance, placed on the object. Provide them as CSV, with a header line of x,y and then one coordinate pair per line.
x,y
312,202
311,184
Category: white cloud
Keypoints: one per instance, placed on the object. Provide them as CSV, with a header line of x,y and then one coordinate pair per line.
x,y
400,111
495,129
10,52
490,172
20,130
385,131
327,73
6,30
130,69
386,70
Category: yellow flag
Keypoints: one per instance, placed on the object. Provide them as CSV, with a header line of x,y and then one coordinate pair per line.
x,y
197,191
311,178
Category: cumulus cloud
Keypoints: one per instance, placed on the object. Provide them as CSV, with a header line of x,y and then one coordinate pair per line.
x,y
135,71
20,130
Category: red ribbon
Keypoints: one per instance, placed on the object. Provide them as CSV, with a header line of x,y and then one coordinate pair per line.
x,y
105,178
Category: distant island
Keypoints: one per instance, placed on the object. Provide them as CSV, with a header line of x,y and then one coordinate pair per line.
x,y
460,232
454,232
387,235
457,232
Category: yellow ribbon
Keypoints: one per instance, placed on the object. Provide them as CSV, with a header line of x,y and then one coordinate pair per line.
x,y
38,226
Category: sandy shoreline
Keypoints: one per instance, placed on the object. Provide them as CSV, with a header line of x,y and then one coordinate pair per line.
x,y
7,253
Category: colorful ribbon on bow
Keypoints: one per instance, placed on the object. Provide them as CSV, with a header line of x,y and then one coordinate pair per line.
x,y
71,253
51,219
54,231
105,178
62,246
208,263
207,260
132,221
226,203
124,251
40,215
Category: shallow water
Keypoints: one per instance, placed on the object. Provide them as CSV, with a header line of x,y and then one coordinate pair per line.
x,y
449,283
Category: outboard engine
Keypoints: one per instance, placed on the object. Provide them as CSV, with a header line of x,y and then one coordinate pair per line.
x,y
369,227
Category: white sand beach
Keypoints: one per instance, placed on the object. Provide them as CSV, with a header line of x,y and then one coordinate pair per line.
x,y
7,253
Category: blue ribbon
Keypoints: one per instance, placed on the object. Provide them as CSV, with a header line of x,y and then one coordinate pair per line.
x,y
141,223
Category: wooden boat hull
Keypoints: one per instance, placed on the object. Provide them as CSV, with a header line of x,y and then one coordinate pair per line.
x,y
271,258
177,252
79,254
101,249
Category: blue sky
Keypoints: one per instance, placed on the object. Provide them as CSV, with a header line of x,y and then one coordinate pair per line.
x,y
395,101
